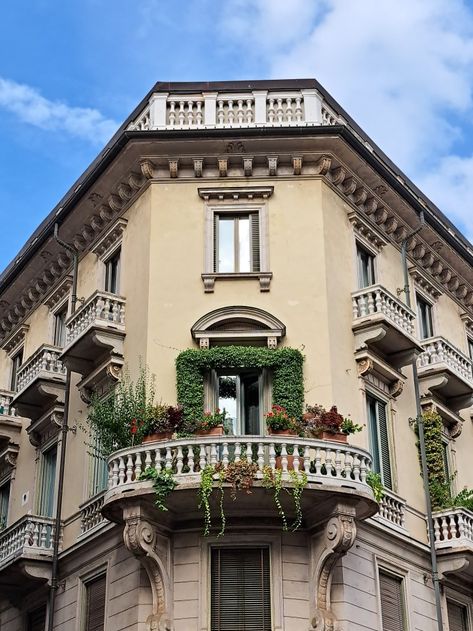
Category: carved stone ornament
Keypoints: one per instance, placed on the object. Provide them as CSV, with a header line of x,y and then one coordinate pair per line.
x,y
222,167
327,548
173,167
297,165
364,366
142,540
272,165
323,165
198,166
396,388
456,429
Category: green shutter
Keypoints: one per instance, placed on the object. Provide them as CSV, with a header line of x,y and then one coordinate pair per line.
x,y
240,590
255,243
47,482
457,617
215,242
392,605
384,444
95,604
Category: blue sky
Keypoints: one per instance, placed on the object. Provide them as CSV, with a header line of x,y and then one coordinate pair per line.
x,y
71,72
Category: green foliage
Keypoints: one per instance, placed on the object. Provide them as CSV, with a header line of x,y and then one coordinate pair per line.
x,y
205,491
464,499
374,481
279,420
163,484
193,364
272,479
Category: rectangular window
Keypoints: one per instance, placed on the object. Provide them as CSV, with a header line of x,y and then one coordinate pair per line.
x,y
60,328
365,267
392,602
240,589
95,603
379,438
17,360
36,619
47,482
4,502
112,274
240,395
236,243
98,469
424,314
457,616
470,347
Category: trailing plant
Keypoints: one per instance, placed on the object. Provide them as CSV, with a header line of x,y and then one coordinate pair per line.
x,y
272,479
192,365
240,475
205,491
299,481
374,481
279,420
163,484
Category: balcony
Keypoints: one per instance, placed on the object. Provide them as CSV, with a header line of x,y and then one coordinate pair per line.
x,y
41,382
94,338
384,324
392,512
447,372
91,518
336,473
453,535
26,549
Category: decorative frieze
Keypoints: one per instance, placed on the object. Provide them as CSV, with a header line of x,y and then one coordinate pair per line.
x,y
59,293
367,231
236,192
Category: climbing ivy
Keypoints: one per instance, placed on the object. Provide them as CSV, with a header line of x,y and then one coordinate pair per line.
x,y
284,363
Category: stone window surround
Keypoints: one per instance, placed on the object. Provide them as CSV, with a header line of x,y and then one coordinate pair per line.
x,y
423,286
419,291
365,245
367,234
231,200
273,542
99,568
457,598
41,449
106,247
399,570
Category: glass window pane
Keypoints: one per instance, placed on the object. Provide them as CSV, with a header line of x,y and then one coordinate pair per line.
x,y
60,328
424,313
365,268
112,274
226,244
244,244
48,479
227,399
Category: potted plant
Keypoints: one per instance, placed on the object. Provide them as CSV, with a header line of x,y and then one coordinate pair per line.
x,y
211,424
328,424
163,421
279,422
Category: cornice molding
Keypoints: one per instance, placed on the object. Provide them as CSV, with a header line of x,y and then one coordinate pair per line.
x,y
59,292
421,280
366,231
110,239
236,192
15,339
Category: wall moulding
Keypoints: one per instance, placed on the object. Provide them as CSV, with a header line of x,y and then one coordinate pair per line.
x,y
367,231
110,239
17,338
59,292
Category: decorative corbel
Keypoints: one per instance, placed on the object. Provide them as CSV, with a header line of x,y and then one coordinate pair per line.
x,y
222,167
198,166
248,167
328,547
297,165
173,167
150,548
323,164
272,165
147,169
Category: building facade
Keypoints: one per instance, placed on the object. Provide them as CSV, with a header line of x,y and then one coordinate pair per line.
x,y
255,214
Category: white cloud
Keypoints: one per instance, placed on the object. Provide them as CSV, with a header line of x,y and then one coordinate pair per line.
x,y
33,108
403,70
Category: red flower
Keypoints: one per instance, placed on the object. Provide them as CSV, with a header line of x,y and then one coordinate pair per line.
x,y
133,428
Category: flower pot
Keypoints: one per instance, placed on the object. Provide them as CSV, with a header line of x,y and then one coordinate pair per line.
x,y
339,437
152,438
213,431
282,432
290,462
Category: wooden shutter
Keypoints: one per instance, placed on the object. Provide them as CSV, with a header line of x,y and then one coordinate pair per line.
x,y
457,619
240,590
392,605
95,604
37,619
48,482
384,444
255,243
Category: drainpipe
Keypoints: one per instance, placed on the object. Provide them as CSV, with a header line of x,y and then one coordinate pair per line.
x,y
62,460
420,426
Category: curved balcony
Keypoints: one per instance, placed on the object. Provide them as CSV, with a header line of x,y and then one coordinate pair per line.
x,y
453,535
336,473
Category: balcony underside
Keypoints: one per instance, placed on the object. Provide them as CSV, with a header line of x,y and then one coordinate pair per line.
x,y
40,395
390,342
92,347
23,575
456,564
440,380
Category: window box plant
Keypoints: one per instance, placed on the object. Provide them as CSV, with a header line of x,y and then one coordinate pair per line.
x,y
163,421
211,424
318,422
279,423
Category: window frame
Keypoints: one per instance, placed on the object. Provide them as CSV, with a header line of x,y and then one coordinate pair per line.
x,y
16,367
389,412
114,254
421,298
385,567
469,343
6,482
94,572
63,308
54,443
459,599
361,247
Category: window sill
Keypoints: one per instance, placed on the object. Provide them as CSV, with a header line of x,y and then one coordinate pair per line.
x,y
210,278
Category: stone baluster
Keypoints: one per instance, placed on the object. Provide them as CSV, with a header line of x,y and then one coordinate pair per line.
x,y
172,113
289,113
190,459
181,114
271,111
220,113
249,111
298,109
198,114
190,113
230,113
240,113
179,460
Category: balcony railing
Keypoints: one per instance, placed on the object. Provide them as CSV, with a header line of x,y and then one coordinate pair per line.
x,y
44,363
30,536
101,310
90,514
391,510
439,352
453,528
324,462
374,300
6,407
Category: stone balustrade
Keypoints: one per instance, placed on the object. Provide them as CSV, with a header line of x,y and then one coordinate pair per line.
x,y
253,108
44,363
90,514
438,350
453,528
101,310
31,535
375,299
391,509
325,462
6,407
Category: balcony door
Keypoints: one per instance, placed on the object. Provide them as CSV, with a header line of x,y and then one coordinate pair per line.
x,y
240,394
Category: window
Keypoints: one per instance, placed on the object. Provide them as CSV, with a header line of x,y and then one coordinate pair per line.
x,y
379,439
446,461
365,262
98,469
457,616
47,482
240,590
392,602
95,590
236,242
60,327
17,360
112,273
470,347
4,502
36,619
240,395
424,314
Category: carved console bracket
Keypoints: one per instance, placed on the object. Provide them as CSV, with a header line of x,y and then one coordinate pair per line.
x,y
328,547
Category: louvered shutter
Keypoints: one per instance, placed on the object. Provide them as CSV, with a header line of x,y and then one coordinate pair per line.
x,y
37,619
384,444
457,620
255,243
392,606
95,604
240,590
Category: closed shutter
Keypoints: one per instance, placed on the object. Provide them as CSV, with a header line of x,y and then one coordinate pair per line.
x,y
392,605
255,243
457,617
384,445
95,604
215,242
37,619
48,482
240,590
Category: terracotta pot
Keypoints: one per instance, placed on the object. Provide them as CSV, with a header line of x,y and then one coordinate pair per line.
x,y
290,462
339,437
214,431
152,438
281,432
